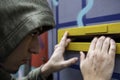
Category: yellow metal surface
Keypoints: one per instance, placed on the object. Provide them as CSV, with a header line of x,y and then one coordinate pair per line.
x,y
82,46
113,28
78,46
83,31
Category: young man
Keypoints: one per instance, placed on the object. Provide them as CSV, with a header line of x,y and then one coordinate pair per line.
x,y
22,21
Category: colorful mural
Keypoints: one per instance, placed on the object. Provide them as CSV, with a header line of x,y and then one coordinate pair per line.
x,y
83,12
42,57
55,2
77,13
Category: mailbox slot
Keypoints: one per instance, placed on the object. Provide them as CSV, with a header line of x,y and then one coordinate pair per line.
x,y
82,37
89,38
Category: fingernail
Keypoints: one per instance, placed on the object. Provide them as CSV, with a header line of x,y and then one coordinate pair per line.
x,y
76,58
112,40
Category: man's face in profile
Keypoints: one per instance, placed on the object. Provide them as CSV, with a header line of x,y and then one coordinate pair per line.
x,y
22,53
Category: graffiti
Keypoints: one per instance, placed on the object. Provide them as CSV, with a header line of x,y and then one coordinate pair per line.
x,y
55,2
83,12
41,43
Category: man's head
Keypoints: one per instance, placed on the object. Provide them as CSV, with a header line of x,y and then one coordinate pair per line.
x,y
22,53
18,19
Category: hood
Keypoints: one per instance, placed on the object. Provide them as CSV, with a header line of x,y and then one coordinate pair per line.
x,y
18,18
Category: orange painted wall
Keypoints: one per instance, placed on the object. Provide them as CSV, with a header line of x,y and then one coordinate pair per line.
x,y
42,57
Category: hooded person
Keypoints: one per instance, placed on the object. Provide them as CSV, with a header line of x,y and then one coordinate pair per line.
x,y
18,18
21,22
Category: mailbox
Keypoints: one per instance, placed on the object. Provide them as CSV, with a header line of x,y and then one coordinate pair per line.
x,y
82,36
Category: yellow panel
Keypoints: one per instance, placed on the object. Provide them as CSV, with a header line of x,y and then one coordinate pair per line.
x,y
97,29
114,28
79,31
118,48
78,46
82,46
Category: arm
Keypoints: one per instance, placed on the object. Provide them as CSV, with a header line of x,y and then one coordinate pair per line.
x,y
99,62
57,61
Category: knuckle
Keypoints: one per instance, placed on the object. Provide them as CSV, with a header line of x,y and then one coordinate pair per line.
x,y
101,38
106,42
55,46
95,52
60,48
113,49
63,65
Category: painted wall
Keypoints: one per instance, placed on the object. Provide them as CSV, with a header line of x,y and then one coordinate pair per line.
x,y
79,13
42,57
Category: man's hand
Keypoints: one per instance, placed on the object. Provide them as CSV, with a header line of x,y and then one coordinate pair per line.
x,y
57,61
99,62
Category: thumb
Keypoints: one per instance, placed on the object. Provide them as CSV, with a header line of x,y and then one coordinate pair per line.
x,y
70,62
82,56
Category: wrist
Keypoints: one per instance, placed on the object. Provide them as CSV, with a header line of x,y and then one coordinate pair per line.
x,y
45,70
94,78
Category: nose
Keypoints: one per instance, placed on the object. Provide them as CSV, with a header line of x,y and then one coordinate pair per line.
x,y
34,46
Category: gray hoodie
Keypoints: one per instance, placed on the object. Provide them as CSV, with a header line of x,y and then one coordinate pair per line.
x,y
18,18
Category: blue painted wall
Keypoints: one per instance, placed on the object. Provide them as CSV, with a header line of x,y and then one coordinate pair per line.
x,y
79,13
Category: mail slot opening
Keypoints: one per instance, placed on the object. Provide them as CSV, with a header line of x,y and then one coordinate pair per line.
x,y
89,38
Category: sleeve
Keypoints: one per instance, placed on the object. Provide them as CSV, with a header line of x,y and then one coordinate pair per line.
x,y
35,74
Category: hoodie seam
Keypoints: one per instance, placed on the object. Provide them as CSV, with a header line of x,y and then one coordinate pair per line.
x,y
18,28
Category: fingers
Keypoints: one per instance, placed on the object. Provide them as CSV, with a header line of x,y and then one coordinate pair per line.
x,y
112,49
99,43
102,45
92,46
82,56
70,62
56,46
106,45
67,42
63,40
